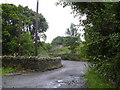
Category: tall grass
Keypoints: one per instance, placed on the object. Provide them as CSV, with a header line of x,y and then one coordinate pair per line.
x,y
4,71
62,50
95,80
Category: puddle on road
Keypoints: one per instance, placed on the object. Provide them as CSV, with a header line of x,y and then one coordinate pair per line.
x,y
55,85
70,81
60,81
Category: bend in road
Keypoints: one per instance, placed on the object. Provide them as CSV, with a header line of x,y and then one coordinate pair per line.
x,y
71,75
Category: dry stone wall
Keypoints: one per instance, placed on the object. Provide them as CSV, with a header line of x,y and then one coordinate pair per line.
x,y
32,62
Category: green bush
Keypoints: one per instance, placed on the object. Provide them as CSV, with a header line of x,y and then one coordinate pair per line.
x,y
95,80
110,69
75,57
62,50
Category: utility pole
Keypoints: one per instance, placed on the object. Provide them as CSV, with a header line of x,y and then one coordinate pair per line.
x,y
19,36
36,42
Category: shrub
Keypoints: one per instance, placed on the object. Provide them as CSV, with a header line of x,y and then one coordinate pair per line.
x,y
75,57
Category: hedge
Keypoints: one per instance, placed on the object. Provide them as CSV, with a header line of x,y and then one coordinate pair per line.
x,y
74,57
31,62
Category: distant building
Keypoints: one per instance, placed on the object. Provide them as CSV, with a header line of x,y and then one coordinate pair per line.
x,y
44,53
57,47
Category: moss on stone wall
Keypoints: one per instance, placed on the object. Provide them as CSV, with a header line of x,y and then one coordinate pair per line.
x,y
32,62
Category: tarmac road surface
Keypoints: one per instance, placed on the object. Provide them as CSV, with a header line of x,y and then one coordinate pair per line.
x,y
71,75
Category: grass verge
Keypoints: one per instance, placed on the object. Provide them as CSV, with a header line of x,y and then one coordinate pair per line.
x,y
4,71
95,80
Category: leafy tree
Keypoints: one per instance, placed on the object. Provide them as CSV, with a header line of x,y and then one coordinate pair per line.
x,y
73,39
44,47
11,14
102,32
27,45
9,28
48,47
59,41
28,18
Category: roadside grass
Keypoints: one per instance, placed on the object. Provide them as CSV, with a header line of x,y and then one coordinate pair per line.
x,y
95,80
62,50
0,71
4,71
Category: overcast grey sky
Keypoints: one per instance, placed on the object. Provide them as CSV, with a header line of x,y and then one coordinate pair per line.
x,y
58,18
